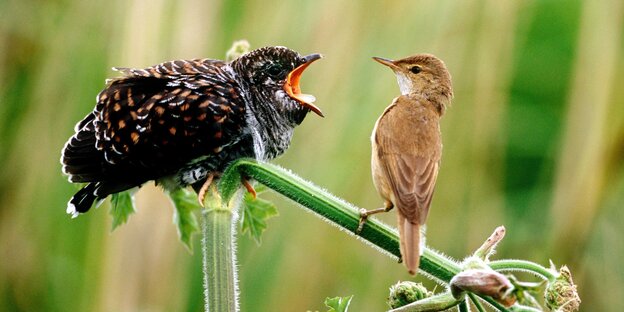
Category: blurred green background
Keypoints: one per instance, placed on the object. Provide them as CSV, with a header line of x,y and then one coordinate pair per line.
x,y
534,140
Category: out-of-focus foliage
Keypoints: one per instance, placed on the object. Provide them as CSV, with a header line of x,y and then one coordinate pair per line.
x,y
534,140
338,304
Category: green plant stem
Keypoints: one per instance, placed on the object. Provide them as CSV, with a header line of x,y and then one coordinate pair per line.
x,y
335,210
220,284
463,306
339,212
476,302
523,265
521,308
439,302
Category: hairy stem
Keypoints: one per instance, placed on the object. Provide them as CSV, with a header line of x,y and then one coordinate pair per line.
x,y
218,247
463,307
439,302
333,209
346,216
476,302
523,265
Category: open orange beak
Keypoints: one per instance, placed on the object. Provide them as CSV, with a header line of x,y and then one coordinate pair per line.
x,y
292,85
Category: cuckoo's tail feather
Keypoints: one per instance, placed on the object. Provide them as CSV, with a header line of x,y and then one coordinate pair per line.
x,y
82,201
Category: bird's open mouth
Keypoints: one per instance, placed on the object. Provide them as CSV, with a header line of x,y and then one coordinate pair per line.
x,y
291,86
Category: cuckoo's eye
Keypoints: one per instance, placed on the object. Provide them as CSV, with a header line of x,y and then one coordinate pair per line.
x,y
275,70
416,69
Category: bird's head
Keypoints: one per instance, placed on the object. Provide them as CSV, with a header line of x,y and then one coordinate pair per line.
x,y
421,73
272,75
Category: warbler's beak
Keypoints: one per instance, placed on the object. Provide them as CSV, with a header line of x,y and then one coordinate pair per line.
x,y
387,62
292,85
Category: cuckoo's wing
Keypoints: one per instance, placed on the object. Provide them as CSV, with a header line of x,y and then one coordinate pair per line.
x,y
149,123
156,119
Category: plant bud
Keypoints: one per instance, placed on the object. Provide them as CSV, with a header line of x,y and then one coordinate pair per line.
x,y
403,293
484,282
561,295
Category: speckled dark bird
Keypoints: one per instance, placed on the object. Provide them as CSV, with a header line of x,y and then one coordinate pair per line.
x,y
184,121
407,147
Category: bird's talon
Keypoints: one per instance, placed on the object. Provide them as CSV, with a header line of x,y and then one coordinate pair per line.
x,y
250,188
363,218
201,195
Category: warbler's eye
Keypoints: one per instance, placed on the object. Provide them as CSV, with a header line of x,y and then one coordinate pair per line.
x,y
274,70
416,69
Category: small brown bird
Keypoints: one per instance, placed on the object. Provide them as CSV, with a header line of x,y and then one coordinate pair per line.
x,y
407,147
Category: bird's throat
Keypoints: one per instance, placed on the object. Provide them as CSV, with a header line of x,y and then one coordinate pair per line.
x,y
405,84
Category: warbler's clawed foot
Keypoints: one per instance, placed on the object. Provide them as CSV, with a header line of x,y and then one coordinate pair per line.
x,y
363,217
365,213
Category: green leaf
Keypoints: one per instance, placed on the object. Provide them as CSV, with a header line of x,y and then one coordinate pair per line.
x,y
185,203
255,213
260,188
338,304
122,206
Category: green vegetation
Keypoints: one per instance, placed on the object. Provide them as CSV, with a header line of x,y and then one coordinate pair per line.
x,y
473,275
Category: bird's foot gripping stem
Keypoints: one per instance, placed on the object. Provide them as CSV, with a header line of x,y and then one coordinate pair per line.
x,y
201,195
365,213
249,187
